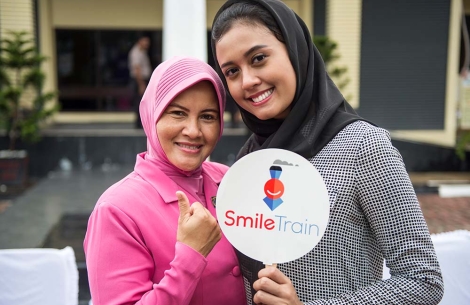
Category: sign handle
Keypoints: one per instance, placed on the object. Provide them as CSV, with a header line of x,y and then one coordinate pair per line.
x,y
274,265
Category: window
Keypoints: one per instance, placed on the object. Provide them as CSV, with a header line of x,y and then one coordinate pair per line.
x,y
92,69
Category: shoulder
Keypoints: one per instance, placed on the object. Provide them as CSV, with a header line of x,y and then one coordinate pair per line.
x,y
361,135
122,194
133,50
354,137
372,144
361,129
215,170
371,137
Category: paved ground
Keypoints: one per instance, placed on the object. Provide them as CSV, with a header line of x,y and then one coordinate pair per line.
x,y
445,214
27,221
442,214
54,213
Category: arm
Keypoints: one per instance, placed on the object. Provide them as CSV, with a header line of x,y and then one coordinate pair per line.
x,y
392,210
121,268
138,78
136,66
389,203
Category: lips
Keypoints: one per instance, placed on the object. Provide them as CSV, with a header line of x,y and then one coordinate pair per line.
x,y
262,96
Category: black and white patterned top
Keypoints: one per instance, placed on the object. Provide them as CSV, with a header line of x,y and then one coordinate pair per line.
x,y
374,215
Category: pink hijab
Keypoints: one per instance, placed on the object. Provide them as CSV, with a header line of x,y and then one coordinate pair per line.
x,y
169,79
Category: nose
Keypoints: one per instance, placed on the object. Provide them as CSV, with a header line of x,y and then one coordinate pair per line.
x,y
192,128
250,79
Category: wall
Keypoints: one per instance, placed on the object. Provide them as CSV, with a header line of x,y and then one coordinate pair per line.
x,y
91,150
303,8
18,15
343,25
135,14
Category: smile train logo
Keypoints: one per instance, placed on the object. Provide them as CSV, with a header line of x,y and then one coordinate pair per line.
x,y
274,188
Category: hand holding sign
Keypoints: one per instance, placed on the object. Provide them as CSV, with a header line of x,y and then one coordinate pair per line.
x,y
274,288
197,228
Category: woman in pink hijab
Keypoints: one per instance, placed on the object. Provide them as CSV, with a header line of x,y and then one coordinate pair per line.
x,y
145,242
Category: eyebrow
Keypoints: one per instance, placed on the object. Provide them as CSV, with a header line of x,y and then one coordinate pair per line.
x,y
187,110
246,54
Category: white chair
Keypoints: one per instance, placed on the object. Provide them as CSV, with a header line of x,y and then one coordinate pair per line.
x,y
453,254
38,276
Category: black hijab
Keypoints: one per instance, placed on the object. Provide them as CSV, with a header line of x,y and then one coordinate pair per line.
x,y
318,111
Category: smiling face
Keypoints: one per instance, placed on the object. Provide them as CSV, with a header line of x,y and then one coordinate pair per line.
x,y
189,127
257,69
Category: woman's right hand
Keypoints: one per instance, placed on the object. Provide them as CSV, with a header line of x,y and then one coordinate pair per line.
x,y
197,228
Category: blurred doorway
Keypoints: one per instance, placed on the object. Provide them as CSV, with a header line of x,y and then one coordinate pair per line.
x,y
92,68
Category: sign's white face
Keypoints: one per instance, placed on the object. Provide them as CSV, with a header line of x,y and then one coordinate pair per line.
x,y
273,206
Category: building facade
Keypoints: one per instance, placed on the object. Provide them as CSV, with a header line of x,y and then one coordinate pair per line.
x,y
403,57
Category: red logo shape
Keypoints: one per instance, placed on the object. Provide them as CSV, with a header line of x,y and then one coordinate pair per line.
x,y
274,188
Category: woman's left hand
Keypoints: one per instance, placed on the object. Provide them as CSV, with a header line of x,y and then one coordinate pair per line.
x,y
273,287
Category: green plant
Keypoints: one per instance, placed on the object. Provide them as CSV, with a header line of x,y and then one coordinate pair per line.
x,y
463,140
328,50
22,111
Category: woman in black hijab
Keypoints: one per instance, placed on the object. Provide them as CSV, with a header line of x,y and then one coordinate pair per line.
x,y
265,56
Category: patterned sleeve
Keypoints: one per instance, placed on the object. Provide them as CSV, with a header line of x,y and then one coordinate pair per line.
x,y
392,210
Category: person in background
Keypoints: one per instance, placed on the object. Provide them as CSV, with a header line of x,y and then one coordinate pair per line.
x,y
145,243
140,70
270,67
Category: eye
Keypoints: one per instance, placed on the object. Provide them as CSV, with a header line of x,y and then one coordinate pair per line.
x,y
208,117
258,58
177,113
230,72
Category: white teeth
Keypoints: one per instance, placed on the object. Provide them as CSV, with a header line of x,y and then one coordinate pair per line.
x,y
262,96
189,147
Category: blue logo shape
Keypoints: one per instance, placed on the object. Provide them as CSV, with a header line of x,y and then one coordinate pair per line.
x,y
273,203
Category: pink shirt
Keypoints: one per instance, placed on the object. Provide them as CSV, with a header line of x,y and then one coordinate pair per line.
x,y
131,250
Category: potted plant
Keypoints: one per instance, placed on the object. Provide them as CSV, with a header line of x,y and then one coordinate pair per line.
x,y
23,104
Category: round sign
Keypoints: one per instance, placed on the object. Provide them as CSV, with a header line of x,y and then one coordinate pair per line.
x,y
273,206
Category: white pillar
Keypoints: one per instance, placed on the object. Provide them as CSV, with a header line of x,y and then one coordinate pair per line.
x,y
184,28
